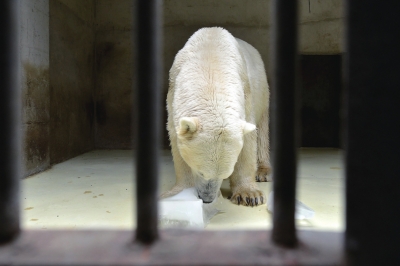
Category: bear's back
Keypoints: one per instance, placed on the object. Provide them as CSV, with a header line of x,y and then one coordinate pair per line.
x,y
209,69
210,78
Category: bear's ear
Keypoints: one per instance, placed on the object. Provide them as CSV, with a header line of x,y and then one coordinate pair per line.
x,y
248,127
187,125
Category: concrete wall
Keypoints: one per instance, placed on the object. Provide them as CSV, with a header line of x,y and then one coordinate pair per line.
x,y
34,57
58,106
71,78
320,25
114,73
84,100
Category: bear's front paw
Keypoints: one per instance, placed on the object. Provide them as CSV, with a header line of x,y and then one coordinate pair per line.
x,y
263,174
248,197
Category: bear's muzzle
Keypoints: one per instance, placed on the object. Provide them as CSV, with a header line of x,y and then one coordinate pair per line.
x,y
208,190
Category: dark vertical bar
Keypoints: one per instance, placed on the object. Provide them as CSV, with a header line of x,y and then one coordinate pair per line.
x,y
148,113
372,141
285,120
10,120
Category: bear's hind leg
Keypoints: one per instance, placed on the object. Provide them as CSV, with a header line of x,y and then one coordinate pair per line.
x,y
263,159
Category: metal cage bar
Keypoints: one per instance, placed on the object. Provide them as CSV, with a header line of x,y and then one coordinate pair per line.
x,y
10,117
372,141
284,120
148,114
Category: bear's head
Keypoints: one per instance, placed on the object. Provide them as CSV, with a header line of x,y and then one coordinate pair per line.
x,y
211,150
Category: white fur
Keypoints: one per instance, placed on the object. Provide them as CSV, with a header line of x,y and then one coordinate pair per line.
x,y
218,93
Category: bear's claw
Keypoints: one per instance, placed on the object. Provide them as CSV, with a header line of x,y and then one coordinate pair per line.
x,y
248,197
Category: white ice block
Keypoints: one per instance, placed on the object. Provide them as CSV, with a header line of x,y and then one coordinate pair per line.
x,y
185,209
302,210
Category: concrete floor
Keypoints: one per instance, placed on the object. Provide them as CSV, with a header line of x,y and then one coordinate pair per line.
x,y
95,190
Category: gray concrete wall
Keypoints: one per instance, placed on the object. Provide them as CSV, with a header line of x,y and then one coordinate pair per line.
x,y
58,107
114,73
71,78
34,58
320,32
321,27
320,24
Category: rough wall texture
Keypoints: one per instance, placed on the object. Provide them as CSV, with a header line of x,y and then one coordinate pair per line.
x,y
71,78
34,58
320,33
320,24
114,74
321,27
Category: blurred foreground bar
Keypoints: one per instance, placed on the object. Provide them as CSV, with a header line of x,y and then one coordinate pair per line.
x,y
148,116
284,120
372,141
10,119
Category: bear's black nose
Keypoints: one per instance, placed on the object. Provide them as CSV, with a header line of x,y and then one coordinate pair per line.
x,y
207,198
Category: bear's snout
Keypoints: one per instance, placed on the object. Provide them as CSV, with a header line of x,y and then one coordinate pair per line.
x,y
208,190
207,197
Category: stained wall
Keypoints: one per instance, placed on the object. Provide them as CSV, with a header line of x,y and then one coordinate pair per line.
x,y
114,74
78,72
320,32
57,72
34,63
71,78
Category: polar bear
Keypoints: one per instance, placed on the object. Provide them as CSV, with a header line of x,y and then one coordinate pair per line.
x,y
218,94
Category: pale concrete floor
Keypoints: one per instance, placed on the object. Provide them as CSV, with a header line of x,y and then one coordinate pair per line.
x,y
95,190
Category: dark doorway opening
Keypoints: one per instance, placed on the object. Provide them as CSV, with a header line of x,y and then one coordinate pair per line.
x,y
321,97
